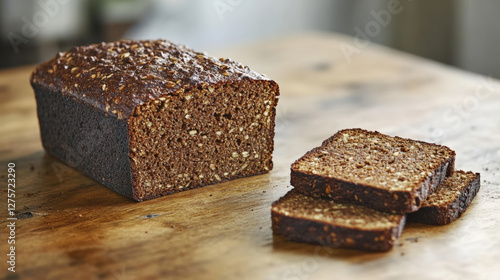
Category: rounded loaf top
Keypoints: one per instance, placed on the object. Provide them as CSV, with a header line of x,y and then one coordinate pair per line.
x,y
118,76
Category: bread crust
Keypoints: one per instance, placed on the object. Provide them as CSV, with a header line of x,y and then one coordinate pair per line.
x,y
117,77
85,138
445,214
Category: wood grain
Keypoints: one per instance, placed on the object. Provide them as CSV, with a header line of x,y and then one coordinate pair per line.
x,y
70,227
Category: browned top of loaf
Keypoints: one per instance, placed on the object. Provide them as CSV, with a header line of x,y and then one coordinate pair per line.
x,y
300,206
119,76
450,190
374,159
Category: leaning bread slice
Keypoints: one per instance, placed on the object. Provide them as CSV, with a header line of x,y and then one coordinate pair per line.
x,y
302,218
450,199
385,173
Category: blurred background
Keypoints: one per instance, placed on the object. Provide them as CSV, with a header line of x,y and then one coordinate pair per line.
x,y
462,33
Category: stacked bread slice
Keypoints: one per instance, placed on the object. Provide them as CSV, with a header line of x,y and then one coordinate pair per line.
x,y
356,189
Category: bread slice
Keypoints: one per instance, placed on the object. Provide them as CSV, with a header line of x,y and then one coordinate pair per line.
x,y
301,218
450,199
381,172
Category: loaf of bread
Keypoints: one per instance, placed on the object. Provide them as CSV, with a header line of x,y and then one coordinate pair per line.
x,y
151,118
385,173
450,200
302,218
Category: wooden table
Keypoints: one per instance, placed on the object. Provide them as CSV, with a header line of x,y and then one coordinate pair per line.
x,y
70,227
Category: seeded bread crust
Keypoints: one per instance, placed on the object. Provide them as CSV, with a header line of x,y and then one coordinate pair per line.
x,y
152,118
118,77
434,212
291,224
374,197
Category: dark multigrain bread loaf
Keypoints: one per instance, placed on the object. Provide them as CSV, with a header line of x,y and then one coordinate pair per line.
x,y
151,118
322,221
385,173
450,200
